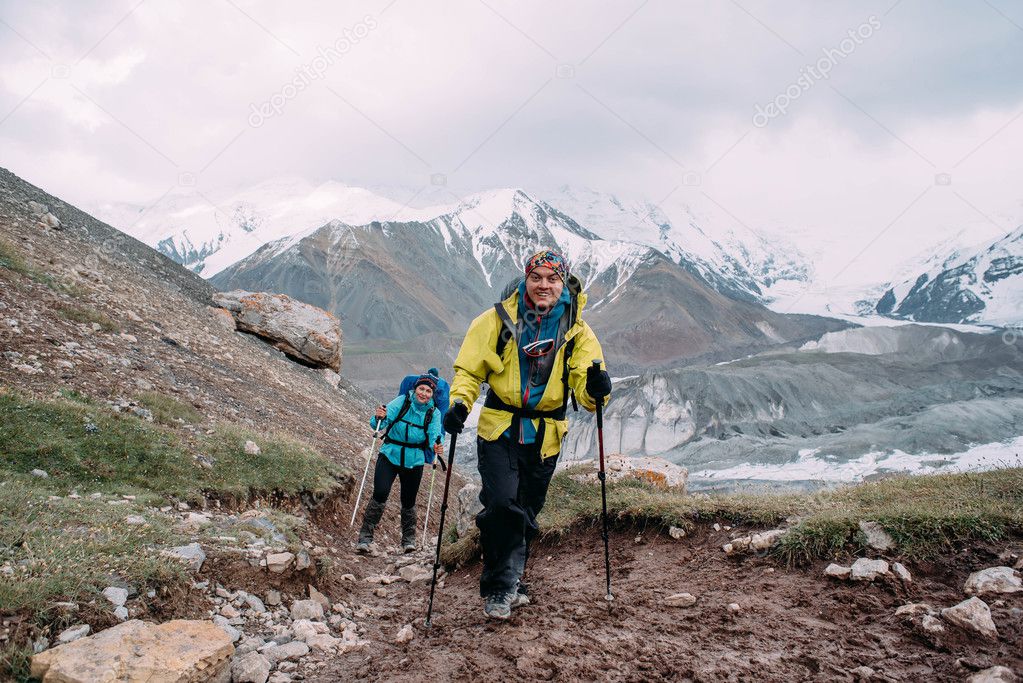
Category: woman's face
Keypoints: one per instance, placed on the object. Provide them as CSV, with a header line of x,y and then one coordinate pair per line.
x,y
424,393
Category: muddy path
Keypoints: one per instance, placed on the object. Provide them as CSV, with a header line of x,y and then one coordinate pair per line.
x,y
791,624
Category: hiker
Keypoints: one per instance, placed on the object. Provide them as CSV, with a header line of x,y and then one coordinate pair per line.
x,y
412,440
440,394
543,353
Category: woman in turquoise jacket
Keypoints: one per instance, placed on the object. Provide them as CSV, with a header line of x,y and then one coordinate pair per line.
x,y
412,440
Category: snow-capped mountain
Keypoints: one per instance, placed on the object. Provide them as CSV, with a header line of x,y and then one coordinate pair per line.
x,y
980,285
412,287
208,231
731,258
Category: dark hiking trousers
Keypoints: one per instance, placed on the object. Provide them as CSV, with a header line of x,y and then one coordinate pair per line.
x,y
383,479
514,487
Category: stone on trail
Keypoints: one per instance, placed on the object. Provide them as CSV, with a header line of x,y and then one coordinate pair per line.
x,y
862,673
972,615
322,642
293,651
405,635
761,541
278,563
230,611
900,571
994,580
676,532
679,600
319,597
42,474
996,674
250,668
837,571
224,625
177,650
306,609
877,537
868,570
255,604
192,555
914,609
305,629
121,612
69,635
932,624
252,448
414,573
273,598
116,596
733,608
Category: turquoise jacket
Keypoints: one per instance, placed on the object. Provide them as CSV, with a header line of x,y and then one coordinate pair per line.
x,y
410,430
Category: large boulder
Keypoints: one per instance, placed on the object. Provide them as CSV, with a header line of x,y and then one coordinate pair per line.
x,y
306,333
174,652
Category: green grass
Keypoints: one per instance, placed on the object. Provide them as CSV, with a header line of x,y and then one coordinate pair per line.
x,y
89,448
68,548
87,316
925,515
168,410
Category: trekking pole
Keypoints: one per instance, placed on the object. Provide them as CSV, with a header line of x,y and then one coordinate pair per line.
x,y
429,500
443,511
603,493
369,459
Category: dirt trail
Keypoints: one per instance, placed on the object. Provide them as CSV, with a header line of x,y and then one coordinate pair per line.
x,y
792,624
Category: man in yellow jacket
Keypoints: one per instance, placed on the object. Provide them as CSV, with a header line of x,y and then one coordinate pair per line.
x,y
535,352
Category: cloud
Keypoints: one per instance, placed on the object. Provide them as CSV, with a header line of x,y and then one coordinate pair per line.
x,y
629,98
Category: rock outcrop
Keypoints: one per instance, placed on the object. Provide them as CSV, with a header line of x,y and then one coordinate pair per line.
x,y
174,652
652,470
304,332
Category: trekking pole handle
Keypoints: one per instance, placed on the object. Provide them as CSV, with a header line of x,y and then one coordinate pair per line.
x,y
600,401
443,467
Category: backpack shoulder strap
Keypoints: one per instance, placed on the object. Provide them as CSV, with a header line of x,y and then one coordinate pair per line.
x,y
569,348
401,413
507,332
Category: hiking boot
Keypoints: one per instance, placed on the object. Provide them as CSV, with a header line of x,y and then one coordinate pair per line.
x,y
370,519
408,530
498,606
519,598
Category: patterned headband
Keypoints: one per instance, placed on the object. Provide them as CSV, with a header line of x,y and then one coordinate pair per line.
x,y
548,259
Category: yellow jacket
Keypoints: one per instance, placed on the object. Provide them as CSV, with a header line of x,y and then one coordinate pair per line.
x,y
477,362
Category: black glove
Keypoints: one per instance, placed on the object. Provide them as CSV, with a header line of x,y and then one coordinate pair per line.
x,y
598,382
454,419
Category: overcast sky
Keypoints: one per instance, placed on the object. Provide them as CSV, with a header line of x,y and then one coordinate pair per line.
x,y
906,132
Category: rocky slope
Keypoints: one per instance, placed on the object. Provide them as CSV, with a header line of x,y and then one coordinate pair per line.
x,y
982,285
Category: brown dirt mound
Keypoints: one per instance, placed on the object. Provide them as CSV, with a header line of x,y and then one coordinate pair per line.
x,y
793,624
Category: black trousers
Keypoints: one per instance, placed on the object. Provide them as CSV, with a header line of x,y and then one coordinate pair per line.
x,y
383,479
515,480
